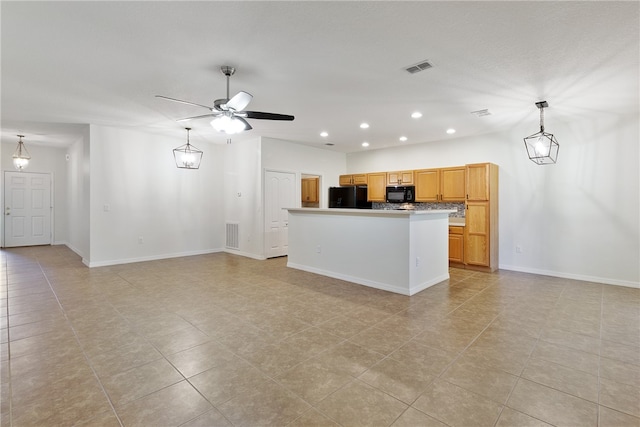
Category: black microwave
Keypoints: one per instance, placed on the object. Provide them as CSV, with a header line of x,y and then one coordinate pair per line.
x,y
401,194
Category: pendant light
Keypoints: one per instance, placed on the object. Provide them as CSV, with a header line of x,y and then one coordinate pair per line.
x,y
542,147
187,156
21,156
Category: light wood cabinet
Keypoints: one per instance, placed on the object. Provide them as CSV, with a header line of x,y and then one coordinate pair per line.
x,y
353,179
481,218
477,241
453,184
310,190
377,187
427,185
440,185
478,182
456,244
400,178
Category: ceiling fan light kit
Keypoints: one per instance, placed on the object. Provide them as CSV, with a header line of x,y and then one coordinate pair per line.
x,y
542,147
228,114
21,156
187,156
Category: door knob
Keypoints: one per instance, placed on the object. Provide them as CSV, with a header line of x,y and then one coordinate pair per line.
x,y
7,211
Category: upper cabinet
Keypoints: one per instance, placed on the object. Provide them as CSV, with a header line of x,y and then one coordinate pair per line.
x,y
310,190
478,181
452,184
377,187
427,185
400,178
440,185
353,179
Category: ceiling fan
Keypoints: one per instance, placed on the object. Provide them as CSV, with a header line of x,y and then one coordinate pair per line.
x,y
228,113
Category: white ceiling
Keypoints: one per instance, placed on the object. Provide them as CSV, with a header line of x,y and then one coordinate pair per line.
x,y
332,65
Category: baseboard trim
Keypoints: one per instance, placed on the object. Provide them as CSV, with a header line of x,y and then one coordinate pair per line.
x,y
148,258
580,277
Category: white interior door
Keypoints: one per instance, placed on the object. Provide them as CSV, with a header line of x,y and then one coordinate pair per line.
x,y
27,209
279,193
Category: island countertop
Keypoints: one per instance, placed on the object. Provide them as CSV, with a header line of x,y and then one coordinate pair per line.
x,y
374,212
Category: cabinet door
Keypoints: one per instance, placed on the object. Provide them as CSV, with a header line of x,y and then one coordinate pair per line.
x,y
377,187
346,180
476,247
453,184
400,178
427,185
360,179
478,181
310,190
456,244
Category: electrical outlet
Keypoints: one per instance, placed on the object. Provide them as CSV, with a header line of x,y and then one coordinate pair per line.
x,y
417,261
140,240
518,249
318,249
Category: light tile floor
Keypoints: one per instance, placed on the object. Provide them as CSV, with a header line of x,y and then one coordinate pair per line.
x,y
222,340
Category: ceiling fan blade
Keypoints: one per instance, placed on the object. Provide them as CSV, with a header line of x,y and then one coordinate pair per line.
x,y
246,123
197,117
239,101
184,102
267,116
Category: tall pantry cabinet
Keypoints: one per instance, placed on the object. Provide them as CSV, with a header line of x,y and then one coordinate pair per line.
x,y
481,217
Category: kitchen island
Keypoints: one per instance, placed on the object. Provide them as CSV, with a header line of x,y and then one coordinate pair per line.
x,y
401,251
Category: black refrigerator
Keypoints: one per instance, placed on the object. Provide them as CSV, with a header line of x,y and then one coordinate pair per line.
x,y
353,197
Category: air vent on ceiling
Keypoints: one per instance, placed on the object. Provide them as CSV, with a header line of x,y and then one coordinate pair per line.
x,y
424,65
481,113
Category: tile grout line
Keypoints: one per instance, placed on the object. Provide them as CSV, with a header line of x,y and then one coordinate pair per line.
x,y
6,271
525,365
84,354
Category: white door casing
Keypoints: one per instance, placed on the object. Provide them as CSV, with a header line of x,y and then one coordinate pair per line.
x,y
27,209
279,193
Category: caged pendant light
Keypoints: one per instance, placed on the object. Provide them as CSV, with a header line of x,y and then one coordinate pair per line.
x,y
21,156
187,156
542,147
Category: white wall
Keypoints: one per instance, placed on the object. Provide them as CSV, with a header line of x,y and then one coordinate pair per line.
x,y
78,179
243,194
290,157
244,166
44,160
578,218
136,192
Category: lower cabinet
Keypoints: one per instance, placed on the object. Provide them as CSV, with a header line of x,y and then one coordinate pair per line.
x,y
477,248
456,244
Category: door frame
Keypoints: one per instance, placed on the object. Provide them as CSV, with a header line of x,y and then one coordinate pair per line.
x,y
51,198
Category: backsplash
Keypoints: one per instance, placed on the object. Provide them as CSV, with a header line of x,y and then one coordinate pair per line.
x,y
424,206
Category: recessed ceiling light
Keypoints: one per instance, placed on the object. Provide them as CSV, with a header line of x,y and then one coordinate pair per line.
x,y
365,144
364,125
324,134
403,138
451,131
416,115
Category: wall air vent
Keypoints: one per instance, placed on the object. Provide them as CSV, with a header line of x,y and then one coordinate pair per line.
x,y
424,65
481,113
233,237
